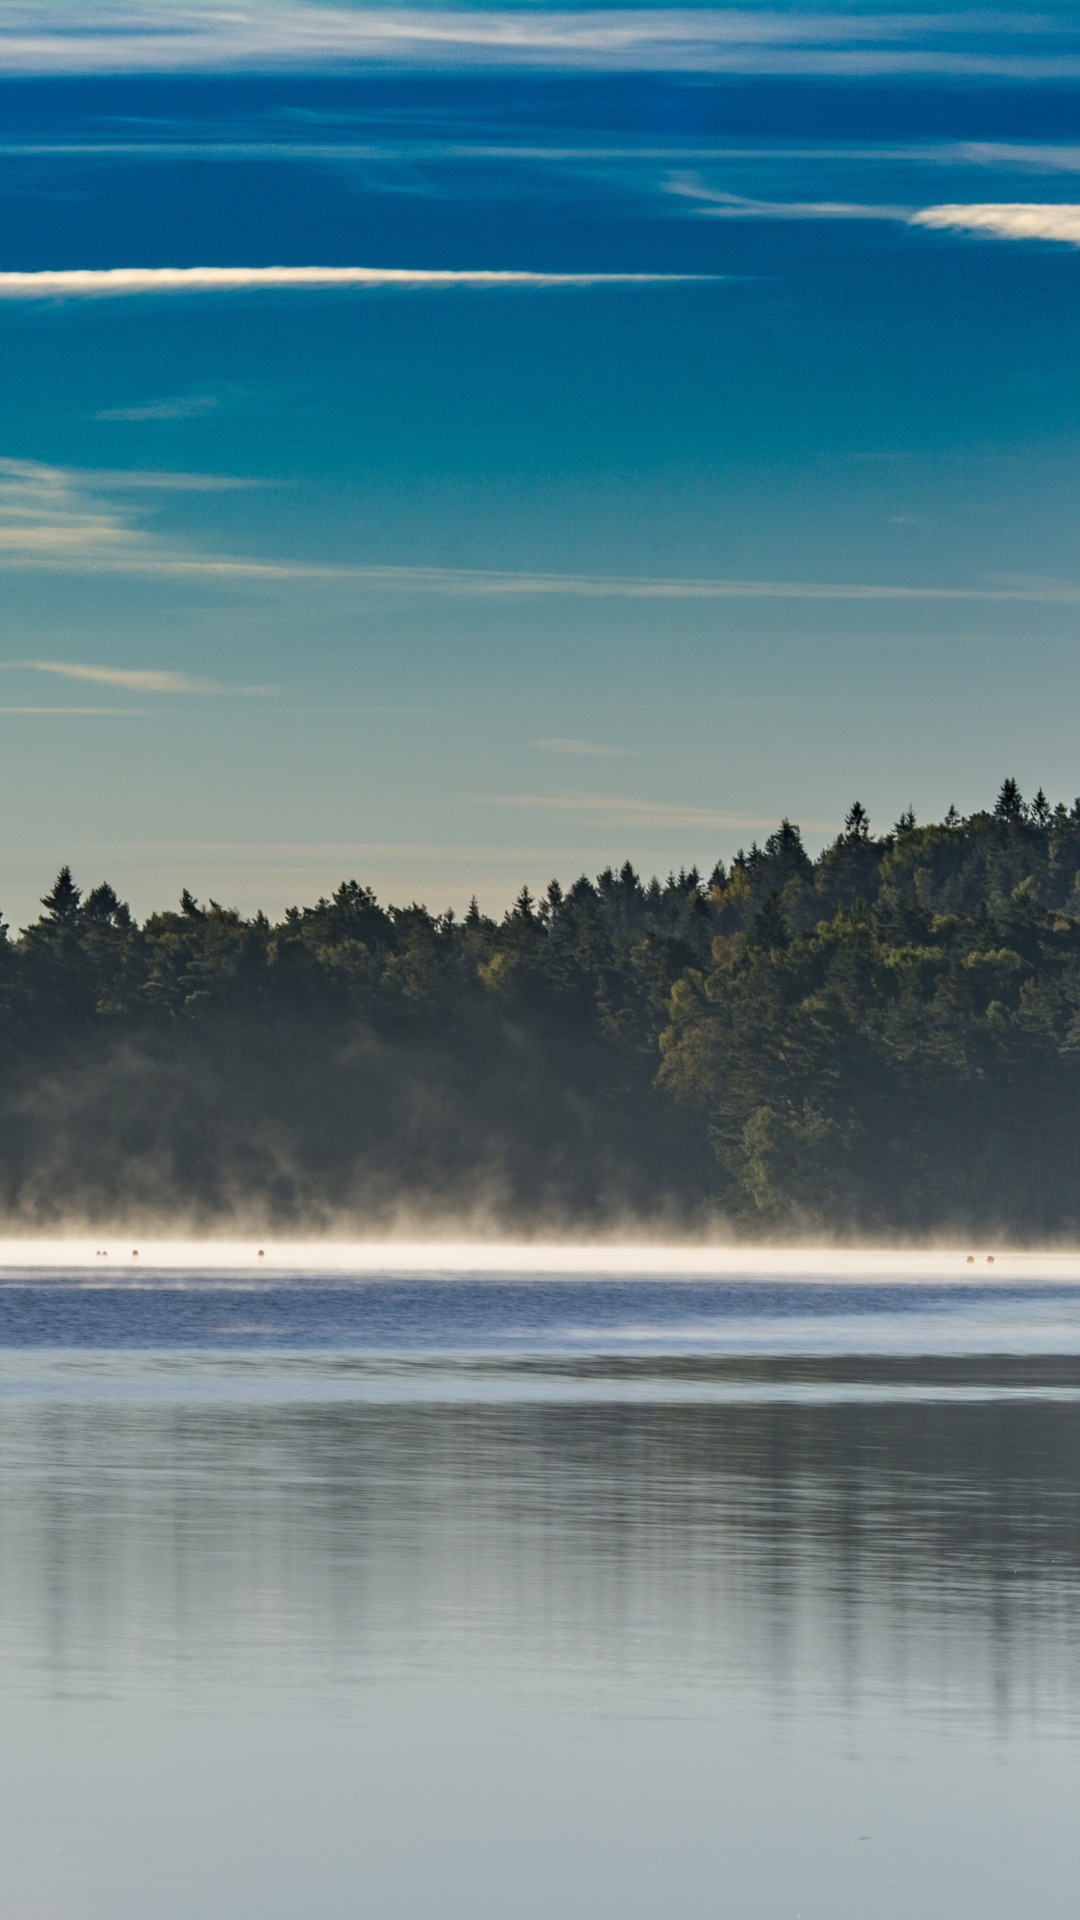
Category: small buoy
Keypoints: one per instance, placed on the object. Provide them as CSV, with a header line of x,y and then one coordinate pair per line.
x,y
134,1253
262,1256
971,1259
989,1259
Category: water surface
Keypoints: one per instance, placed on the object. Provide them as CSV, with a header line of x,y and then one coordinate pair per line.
x,y
467,1595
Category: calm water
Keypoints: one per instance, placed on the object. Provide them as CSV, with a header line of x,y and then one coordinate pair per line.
x,y
427,1598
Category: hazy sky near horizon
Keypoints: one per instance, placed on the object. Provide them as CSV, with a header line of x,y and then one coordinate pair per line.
x,y
736,476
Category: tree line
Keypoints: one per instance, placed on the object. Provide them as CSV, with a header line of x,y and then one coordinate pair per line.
x,y
884,1038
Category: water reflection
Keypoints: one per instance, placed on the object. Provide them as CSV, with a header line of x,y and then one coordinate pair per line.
x,y
812,1555
323,1631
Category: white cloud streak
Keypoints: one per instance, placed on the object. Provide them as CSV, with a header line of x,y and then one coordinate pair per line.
x,y
1019,220
65,282
1006,220
72,39
135,679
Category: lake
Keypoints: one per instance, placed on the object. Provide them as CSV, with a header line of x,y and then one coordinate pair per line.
x,y
488,1590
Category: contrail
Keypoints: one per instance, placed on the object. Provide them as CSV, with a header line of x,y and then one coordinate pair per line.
x,y
113,280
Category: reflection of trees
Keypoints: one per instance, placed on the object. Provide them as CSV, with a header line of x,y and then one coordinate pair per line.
x,y
828,1550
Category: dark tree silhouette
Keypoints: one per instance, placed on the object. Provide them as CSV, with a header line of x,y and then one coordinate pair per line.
x,y
884,1037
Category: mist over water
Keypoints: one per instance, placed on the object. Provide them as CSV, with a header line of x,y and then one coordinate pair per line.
x,y
534,1590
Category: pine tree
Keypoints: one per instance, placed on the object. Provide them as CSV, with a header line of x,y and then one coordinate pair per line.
x,y
62,904
1010,804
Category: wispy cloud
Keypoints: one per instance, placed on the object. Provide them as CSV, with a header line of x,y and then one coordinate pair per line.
x,y
717,205
66,38
1007,220
135,480
642,587
185,407
1028,156
74,519
94,282
135,679
132,679
70,520
49,514
585,748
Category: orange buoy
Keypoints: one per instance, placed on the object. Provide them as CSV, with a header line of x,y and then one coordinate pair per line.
x,y
971,1259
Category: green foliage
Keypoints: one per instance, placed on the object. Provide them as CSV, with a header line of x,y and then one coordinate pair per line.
x,y
886,1037
910,1059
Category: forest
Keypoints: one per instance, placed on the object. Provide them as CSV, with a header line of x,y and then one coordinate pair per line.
x,y
884,1039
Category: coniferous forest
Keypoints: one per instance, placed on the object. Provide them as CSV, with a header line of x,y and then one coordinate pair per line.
x,y
884,1039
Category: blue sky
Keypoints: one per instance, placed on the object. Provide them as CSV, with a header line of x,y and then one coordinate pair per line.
x,y
750,488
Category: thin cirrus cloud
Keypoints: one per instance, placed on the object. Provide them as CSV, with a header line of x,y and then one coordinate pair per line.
x,y
719,205
474,582
67,520
70,38
131,679
184,407
1004,219
1026,156
64,282
134,480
